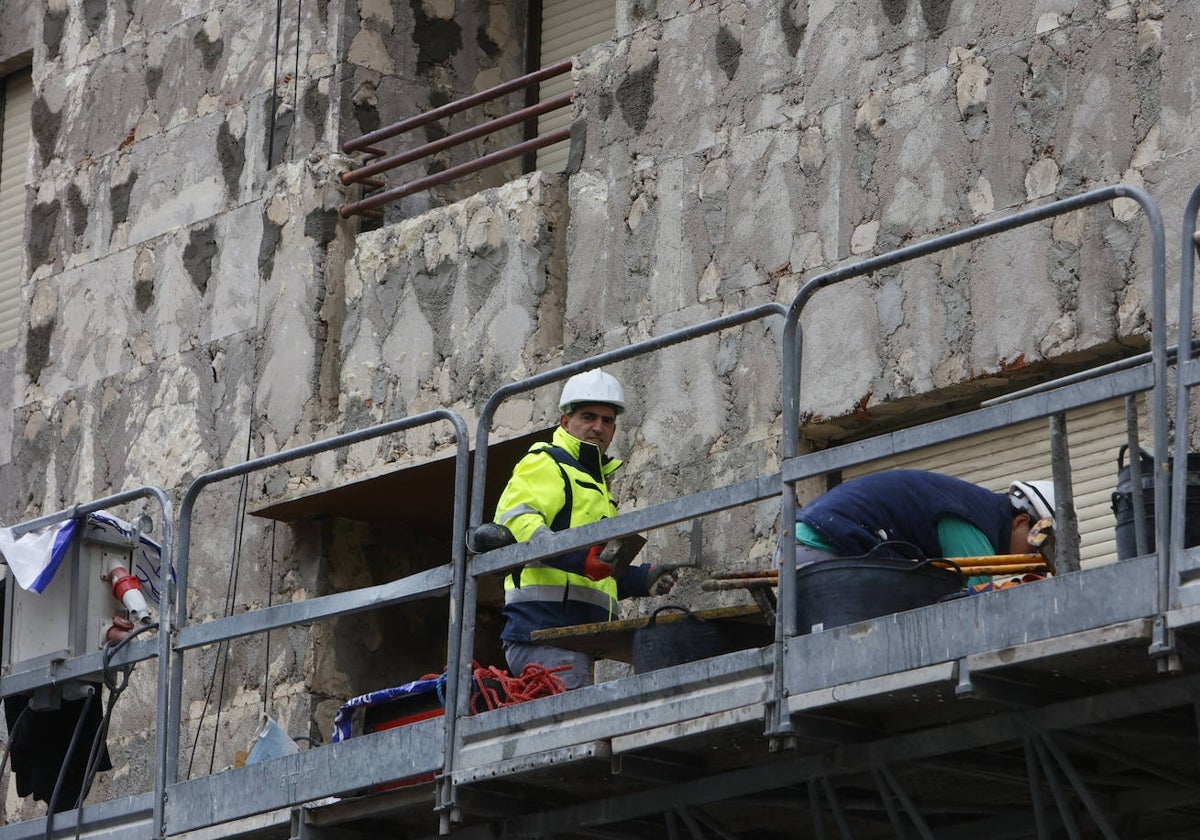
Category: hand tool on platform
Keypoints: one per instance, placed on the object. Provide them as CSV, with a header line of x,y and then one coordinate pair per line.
x,y
620,553
1041,539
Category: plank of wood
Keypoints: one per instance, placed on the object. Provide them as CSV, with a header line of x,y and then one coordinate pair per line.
x,y
614,639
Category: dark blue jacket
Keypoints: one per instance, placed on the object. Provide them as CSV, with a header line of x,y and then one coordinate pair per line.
x,y
905,505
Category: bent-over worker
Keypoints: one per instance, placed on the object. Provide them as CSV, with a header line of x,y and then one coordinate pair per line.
x,y
560,485
941,515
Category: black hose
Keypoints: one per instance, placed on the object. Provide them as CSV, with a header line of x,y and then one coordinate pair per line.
x,y
62,772
12,736
114,691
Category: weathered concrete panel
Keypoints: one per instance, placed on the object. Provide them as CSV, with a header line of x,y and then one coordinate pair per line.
x,y
862,128
21,19
444,309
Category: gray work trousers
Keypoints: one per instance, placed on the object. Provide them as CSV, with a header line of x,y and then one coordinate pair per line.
x,y
520,654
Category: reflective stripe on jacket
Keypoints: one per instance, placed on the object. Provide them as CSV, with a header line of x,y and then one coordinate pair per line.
x,y
554,592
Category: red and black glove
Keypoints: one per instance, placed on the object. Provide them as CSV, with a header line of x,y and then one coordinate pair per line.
x,y
593,567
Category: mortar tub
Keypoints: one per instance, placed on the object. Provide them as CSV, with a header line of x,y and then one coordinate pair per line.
x,y
687,638
844,590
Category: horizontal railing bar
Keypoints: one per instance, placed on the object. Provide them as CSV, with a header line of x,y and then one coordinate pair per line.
x,y
87,665
81,510
453,172
656,516
125,818
1189,373
356,176
1081,376
1031,407
328,770
360,143
430,582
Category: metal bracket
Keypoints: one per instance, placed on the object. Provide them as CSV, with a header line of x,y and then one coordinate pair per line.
x,y
1162,646
985,687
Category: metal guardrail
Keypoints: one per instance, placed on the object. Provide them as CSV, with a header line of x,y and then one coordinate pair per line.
x,y
377,196
460,582
134,651
977,421
624,524
433,583
1188,375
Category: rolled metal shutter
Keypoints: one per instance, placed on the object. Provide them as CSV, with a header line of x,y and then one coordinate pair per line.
x,y
14,176
568,28
1095,435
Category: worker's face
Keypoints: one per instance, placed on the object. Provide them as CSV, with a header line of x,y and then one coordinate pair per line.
x,y
594,424
1022,522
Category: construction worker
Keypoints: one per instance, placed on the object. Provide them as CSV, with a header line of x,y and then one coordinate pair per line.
x,y
556,486
941,515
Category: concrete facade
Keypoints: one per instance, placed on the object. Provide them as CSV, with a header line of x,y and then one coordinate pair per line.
x,y
194,299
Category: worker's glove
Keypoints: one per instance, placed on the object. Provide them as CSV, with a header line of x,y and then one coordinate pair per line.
x,y
488,537
660,580
594,566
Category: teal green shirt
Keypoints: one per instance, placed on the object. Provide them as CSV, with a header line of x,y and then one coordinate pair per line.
x,y
957,536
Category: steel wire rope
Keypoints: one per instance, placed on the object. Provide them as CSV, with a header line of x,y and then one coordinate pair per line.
x,y
12,737
274,88
270,603
222,654
223,646
296,81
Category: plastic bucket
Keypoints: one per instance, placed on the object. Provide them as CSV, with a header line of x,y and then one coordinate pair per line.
x,y
1122,503
663,644
833,593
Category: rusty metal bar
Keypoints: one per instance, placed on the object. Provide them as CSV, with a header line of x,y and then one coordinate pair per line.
x,y
453,172
754,573
735,583
358,144
357,176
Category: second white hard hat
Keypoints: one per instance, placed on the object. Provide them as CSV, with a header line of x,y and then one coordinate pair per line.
x,y
592,386
1035,498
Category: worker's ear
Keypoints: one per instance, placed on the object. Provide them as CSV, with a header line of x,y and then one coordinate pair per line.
x,y
562,420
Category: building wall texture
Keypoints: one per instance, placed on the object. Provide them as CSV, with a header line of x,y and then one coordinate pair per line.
x,y
194,298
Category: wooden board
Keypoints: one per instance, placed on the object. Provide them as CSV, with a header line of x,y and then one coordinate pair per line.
x,y
614,639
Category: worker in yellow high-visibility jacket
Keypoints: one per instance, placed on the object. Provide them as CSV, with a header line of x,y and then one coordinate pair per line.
x,y
556,486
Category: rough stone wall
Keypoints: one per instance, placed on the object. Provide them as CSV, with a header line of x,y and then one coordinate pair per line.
x,y
16,36
735,149
816,133
156,251
445,308
194,298
191,291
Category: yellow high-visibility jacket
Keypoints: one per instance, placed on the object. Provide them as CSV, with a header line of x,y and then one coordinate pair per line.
x,y
556,486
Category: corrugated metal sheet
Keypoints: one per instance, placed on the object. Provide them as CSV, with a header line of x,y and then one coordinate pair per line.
x,y
568,28
14,175
1095,435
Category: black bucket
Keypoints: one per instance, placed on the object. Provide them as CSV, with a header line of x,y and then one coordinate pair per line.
x,y
833,593
1122,503
661,645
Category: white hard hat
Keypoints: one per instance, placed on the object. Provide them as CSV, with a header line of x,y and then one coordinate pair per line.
x,y
592,386
1035,498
